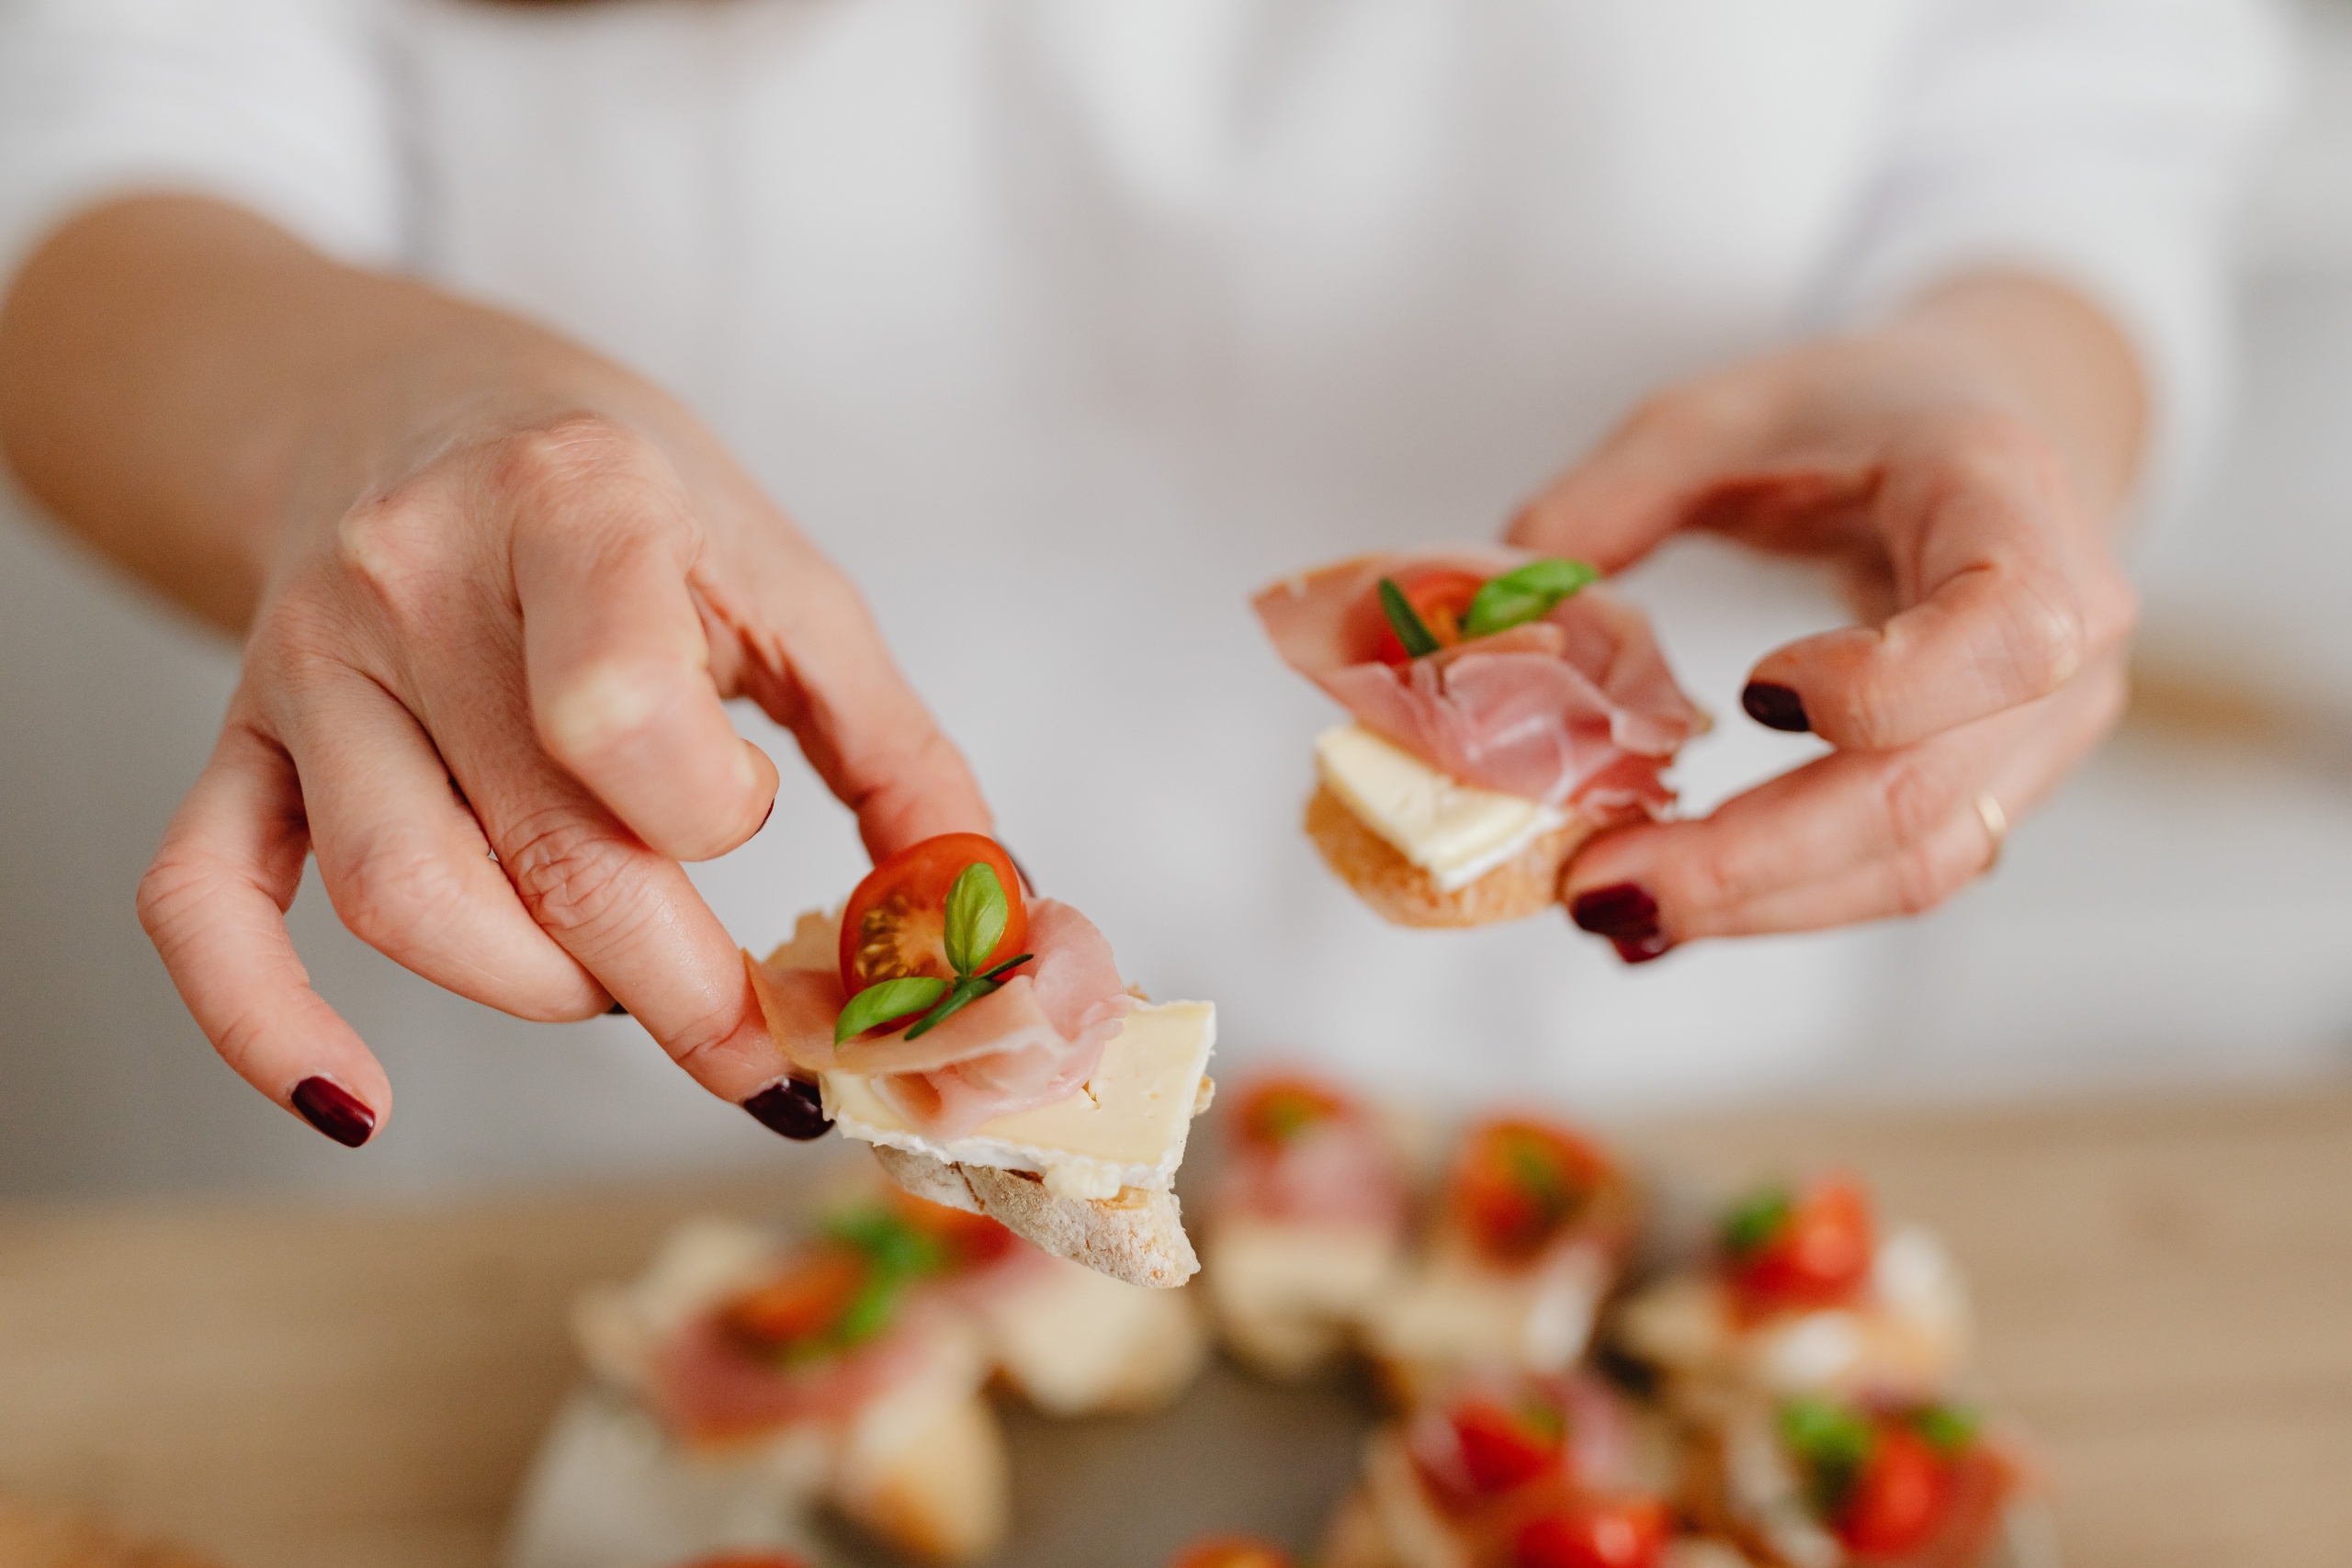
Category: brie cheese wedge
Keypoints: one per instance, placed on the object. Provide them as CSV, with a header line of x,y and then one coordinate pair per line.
x,y
1126,1126
1454,832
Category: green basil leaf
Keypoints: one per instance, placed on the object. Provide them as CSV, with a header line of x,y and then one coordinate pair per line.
x,y
969,990
1754,1220
1832,1443
885,1000
1405,621
976,916
1525,595
896,1249
1001,970
1948,1428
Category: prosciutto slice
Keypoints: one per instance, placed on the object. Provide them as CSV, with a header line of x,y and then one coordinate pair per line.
x,y
709,1389
1031,1042
1577,710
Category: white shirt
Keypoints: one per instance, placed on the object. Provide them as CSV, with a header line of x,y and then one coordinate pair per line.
x,y
1064,323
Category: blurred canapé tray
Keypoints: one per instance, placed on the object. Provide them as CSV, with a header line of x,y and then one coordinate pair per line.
x,y
2163,1283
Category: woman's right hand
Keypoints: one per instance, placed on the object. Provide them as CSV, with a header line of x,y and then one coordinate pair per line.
x,y
505,591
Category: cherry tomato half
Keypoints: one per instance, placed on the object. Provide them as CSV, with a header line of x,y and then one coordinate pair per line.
x,y
1503,1447
1232,1551
1899,1497
1629,1532
1819,1254
1516,1183
1277,1110
802,1303
896,924
1440,596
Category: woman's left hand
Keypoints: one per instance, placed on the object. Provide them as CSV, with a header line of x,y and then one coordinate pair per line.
x,y
1964,467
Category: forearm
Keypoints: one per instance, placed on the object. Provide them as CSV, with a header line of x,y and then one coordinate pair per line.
x,y
2056,359
176,377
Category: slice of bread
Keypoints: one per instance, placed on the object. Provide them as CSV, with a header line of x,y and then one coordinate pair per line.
x,y
1403,893
1138,1236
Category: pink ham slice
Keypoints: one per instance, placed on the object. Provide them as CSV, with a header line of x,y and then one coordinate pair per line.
x,y
1031,1042
1577,709
709,1389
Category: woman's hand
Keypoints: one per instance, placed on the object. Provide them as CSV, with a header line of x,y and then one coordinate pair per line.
x,y
499,590
1964,467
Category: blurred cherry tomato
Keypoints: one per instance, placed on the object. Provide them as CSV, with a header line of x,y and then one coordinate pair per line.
x,y
802,1303
1816,1253
1629,1532
969,1240
1277,1110
1232,1551
1503,1445
896,924
1516,1183
1440,596
1899,1497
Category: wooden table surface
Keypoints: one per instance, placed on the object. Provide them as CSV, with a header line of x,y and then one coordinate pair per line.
x,y
2164,1291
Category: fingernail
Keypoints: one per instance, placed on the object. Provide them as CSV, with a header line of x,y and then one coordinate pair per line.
x,y
1775,707
793,1108
1621,912
763,819
1642,950
1028,883
617,1010
333,1111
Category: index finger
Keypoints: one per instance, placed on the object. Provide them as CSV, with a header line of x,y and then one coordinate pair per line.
x,y
617,661
2002,606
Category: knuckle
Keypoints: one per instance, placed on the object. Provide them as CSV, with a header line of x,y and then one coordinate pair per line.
x,y
395,549
1926,875
395,888
1716,879
574,877
547,469
598,708
170,888
1915,800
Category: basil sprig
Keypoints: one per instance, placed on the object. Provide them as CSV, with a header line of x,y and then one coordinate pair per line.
x,y
1525,595
1406,621
1754,1220
976,915
887,999
1833,1443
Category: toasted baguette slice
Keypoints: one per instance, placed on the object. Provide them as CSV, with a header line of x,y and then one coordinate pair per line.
x,y
1403,893
1138,1236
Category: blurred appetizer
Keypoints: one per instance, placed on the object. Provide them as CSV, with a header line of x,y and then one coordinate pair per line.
x,y
1800,1294
1817,1482
1306,1225
824,1372
987,1047
1504,709
1532,1230
1512,1472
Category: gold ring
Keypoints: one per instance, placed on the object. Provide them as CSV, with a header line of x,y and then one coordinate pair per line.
x,y
1997,829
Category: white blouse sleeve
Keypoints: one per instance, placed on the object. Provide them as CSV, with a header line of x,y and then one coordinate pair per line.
x,y
282,106
2102,143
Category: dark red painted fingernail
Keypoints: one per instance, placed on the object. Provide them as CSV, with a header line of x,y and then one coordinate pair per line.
x,y
793,1108
763,820
333,1110
1775,707
617,1010
1621,912
1642,950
